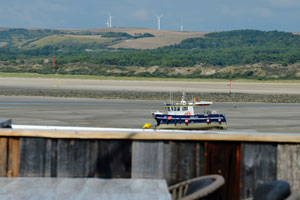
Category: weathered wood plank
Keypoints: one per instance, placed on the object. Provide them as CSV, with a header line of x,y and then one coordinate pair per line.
x,y
32,157
53,162
13,157
173,161
87,158
224,159
114,159
80,158
208,136
92,156
288,164
65,158
186,161
258,166
3,156
48,155
149,159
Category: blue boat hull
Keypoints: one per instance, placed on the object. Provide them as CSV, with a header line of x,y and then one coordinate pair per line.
x,y
193,122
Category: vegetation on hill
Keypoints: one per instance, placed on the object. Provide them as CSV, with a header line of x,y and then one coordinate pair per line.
x,y
125,35
216,49
89,53
19,35
244,47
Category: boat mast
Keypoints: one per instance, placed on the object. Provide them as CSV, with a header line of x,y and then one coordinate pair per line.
x,y
183,97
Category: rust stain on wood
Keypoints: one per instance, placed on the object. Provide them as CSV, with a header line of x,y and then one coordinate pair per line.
x,y
238,171
3,156
13,157
224,159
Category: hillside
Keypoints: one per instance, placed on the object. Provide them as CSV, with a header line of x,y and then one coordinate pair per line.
x,y
111,37
144,52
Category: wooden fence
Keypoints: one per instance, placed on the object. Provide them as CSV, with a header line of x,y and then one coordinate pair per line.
x,y
245,160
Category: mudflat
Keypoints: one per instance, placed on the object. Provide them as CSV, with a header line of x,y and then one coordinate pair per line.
x,y
241,116
150,86
117,103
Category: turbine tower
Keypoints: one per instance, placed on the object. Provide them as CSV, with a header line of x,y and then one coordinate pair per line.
x,y
181,28
109,21
158,21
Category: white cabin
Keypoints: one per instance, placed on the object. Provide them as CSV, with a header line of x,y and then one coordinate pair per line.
x,y
184,108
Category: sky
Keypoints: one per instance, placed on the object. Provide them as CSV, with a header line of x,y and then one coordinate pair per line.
x,y
194,15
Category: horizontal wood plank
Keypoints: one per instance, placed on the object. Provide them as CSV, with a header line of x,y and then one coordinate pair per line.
x,y
201,136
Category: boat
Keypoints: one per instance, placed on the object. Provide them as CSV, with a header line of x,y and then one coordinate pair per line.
x,y
181,116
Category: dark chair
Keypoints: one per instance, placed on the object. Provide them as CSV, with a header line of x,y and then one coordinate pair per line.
x,y
204,187
275,190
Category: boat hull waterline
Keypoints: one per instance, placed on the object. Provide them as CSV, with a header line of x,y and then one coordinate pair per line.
x,y
196,122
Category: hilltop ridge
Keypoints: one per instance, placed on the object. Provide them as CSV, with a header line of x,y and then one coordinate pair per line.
x,y
36,37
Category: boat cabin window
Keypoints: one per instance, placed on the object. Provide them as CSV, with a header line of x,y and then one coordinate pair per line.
x,y
173,108
184,108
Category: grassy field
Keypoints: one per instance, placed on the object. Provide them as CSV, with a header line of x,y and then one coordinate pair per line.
x,y
91,77
57,39
162,38
69,37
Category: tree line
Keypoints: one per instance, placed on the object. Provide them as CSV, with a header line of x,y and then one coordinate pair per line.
x,y
227,48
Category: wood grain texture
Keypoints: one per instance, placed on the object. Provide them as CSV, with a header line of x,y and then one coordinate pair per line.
x,y
3,156
288,164
243,165
223,158
113,159
32,157
208,136
75,158
66,160
13,157
92,158
258,166
173,161
186,161
150,159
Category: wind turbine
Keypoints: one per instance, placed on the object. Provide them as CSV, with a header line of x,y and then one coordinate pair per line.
x,y
109,21
181,26
158,21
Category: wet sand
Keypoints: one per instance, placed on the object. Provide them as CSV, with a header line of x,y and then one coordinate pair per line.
x,y
150,86
241,116
92,112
